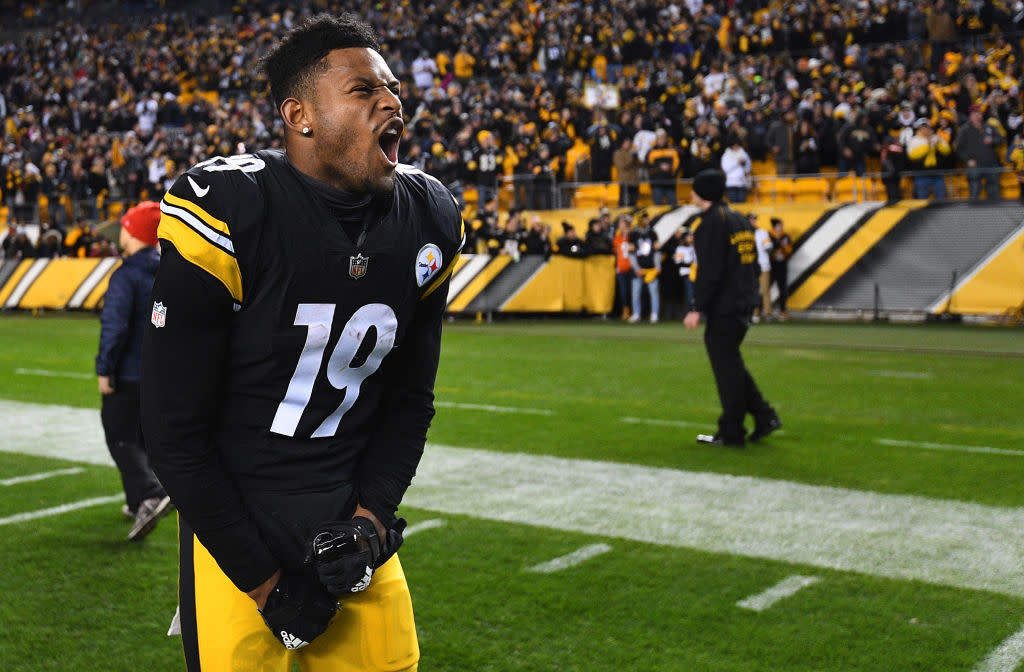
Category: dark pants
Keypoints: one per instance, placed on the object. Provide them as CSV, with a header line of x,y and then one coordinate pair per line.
x,y
737,391
977,175
120,416
780,277
628,194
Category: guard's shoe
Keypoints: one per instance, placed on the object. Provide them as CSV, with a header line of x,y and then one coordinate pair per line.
x,y
146,516
763,429
717,440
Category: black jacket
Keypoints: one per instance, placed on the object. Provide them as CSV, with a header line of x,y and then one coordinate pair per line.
x,y
126,309
727,269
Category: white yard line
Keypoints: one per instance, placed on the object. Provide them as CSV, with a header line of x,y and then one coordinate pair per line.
x,y
431,524
913,375
54,374
74,434
1006,657
577,557
493,409
41,476
781,590
938,541
665,423
944,542
953,447
60,510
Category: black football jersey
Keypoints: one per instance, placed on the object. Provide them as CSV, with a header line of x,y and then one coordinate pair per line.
x,y
288,355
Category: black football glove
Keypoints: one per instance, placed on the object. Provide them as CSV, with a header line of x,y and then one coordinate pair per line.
x,y
298,610
345,553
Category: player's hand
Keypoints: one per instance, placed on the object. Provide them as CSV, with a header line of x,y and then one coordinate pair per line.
x,y
345,553
692,319
298,611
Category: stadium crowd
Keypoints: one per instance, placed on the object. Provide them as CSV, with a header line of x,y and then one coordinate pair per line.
x,y
100,108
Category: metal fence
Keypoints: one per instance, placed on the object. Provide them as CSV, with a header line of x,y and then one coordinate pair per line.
x,y
545,193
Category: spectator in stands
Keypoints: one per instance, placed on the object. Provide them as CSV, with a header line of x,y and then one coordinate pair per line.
x,y
1015,157
17,245
601,140
892,163
808,152
53,188
50,244
126,310
674,268
486,164
977,145
79,239
424,69
924,153
538,237
781,139
856,140
782,250
645,261
487,230
663,169
737,167
569,243
599,240
763,244
543,180
623,266
510,238
627,169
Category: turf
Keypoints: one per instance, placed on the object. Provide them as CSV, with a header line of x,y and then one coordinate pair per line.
x,y
78,597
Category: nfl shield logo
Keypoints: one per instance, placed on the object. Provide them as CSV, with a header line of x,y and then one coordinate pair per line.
x,y
159,317
357,266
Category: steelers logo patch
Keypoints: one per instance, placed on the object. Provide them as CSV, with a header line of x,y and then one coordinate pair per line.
x,y
428,263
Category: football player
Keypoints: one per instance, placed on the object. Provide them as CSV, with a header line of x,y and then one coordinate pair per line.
x,y
289,367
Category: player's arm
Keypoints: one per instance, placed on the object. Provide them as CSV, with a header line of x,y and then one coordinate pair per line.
x,y
198,286
181,384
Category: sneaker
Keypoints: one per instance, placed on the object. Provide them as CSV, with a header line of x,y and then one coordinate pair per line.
x,y
127,512
147,515
763,429
633,319
717,440
654,319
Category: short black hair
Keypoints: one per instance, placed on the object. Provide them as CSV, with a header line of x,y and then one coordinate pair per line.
x,y
293,61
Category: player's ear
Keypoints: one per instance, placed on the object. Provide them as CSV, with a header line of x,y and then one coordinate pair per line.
x,y
295,116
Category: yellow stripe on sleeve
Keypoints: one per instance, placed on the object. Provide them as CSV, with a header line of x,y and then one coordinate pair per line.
x,y
442,276
206,217
201,252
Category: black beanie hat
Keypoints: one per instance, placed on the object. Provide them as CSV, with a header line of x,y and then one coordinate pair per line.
x,y
709,184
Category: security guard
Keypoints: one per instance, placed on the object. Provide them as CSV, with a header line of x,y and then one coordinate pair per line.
x,y
725,292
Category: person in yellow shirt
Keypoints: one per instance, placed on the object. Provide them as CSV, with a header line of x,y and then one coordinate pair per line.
x,y
463,64
1015,157
924,154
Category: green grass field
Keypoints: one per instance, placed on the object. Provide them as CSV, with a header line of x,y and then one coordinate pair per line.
x,y
894,489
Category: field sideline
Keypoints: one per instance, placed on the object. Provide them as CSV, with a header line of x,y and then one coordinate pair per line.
x,y
563,451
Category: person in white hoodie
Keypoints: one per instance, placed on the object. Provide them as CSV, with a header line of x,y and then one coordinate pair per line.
x,y
736,166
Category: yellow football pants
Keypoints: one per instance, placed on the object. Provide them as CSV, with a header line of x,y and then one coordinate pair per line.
x,y
223,632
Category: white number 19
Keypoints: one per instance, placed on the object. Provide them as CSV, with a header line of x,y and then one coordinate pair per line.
x,y
318,317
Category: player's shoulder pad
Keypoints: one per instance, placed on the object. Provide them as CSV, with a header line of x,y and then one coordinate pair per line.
x,y
207,210
444,230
